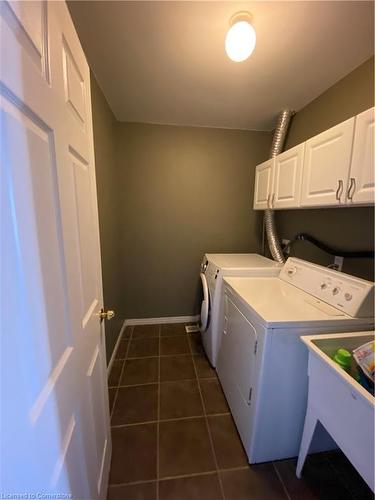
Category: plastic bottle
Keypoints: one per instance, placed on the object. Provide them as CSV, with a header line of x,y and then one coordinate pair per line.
x,y
343,358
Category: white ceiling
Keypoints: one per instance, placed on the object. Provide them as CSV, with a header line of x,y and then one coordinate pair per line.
x,y
164,62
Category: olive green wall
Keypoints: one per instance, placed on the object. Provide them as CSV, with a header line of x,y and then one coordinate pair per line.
x,y
184,191
343,228
104,124
169,194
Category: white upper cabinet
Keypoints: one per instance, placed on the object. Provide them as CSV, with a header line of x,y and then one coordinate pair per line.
x,y
361,186
326,166
335,168
263,185
287,178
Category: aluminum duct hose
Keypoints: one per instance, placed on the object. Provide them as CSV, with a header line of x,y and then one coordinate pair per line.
x,y
269,215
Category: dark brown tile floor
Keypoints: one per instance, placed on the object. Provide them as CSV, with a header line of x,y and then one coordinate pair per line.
x,y
173,437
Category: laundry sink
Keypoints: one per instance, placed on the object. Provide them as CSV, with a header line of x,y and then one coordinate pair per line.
x,y
338,401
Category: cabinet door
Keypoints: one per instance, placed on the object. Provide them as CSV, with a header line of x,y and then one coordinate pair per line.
x,y
287,178
263,185
326,166
361,187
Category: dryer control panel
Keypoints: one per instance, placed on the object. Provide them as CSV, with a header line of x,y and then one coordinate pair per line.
x,y
354,296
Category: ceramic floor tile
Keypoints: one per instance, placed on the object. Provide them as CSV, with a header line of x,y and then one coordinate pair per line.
x,y
176,368
185,445
142,491
114,376
196,345
122,349
349,476
184,448
140,348
327,475
134,451
297,488
321,478
213,396
146,331
174,345
204,369
173,330
127,332
140,371
136,404
180,399
227,443
191,488
258,482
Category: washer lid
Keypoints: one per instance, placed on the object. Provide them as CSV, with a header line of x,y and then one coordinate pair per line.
x,y
278,304
241,261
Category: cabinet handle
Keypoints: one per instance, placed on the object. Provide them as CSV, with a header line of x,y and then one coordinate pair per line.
x,y
351,185
339,190
273,200
268,201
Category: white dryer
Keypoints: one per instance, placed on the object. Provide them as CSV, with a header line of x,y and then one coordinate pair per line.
x,y
214,267
262,363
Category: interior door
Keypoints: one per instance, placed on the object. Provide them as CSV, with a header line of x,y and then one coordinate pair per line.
x,y
263,185
287,178
361,188
55,416
326,166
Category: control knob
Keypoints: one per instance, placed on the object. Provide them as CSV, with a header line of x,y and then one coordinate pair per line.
x,y
348,296
336,290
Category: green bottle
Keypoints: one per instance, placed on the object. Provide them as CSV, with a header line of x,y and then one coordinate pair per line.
x,y
343,358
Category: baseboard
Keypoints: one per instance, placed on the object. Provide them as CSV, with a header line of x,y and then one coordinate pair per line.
x,y
159,321
113,357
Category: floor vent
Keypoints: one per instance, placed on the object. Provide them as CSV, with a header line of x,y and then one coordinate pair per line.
x,y
192,328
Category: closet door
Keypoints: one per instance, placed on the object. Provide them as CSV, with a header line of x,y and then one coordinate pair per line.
x,y
263,185
361,186
326,166
287,178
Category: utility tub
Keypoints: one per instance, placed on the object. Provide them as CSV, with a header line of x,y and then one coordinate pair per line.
x,y
339,403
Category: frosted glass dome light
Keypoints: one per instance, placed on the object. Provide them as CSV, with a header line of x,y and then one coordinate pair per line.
x,y
241,38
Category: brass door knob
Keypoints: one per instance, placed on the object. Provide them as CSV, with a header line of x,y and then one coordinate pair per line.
x,y
106,314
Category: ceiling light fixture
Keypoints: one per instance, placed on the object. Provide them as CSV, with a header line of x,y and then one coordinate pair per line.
x,y
241,37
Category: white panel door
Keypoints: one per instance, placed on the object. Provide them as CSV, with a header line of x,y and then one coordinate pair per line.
x,y
361,187
287,178
55,416
326,166
263,185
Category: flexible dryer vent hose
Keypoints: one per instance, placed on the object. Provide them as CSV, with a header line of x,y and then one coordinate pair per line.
x,y
269,215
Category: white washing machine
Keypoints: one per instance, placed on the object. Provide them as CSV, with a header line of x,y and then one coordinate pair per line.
x,y
262,363
214,267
